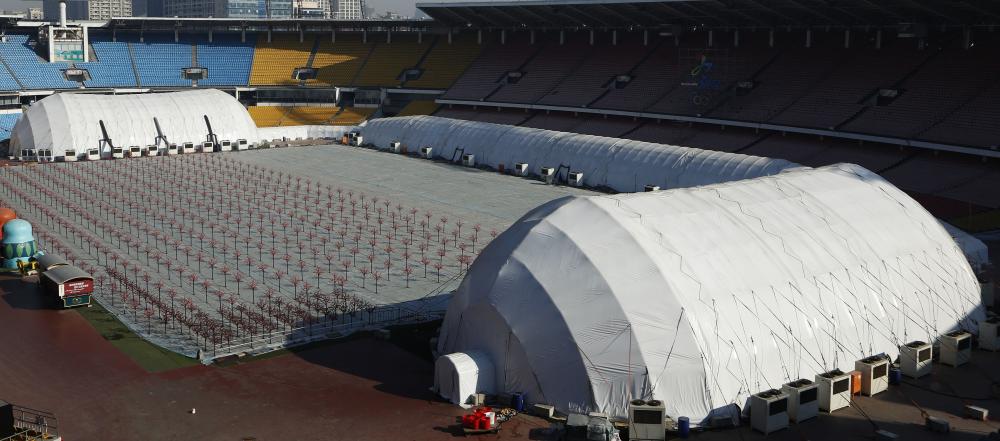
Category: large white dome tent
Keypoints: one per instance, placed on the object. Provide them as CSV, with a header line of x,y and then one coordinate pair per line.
x,y
72,120
702,296
620,164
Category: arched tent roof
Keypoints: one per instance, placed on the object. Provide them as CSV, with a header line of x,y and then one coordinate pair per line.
x,y
620,164
702,296
72,120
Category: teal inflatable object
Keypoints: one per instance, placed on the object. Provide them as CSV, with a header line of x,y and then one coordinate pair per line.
x,y
18,243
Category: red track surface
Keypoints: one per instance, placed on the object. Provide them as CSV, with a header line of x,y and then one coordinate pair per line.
x,y
360,389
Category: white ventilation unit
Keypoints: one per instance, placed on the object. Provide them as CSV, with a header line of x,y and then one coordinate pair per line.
x,y
874,374
989,334
134,151
469,160
207,147
956,348
93,155
647,420
187,147
576,179
225,146
650,187
915,359
521,169
427,152
242,144
396,147
69,155
172,149
151,150
548,174
117,153
834,390
769,411
803,399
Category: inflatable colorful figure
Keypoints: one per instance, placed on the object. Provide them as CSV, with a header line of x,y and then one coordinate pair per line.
x,y
18,243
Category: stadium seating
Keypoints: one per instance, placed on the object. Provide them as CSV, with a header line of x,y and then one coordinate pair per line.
x,y
7,81
841,95
418,108
227,58
274,62
337,63
7,121
486,73
551,64
112,66
388,61
657,73
274,116
350,116
30,70
950,79
160,60
445,62
593,78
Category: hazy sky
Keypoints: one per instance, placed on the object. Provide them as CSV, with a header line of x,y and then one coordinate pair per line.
x,y
405,7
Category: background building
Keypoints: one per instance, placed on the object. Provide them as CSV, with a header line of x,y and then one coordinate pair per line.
x,y
75,9
227,8
106,9
350,9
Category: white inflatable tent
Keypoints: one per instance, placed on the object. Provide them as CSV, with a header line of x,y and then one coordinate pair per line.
x,y
458,376
700,297
619,164
71,120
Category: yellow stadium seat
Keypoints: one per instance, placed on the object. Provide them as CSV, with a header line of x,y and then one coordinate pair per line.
x,y
274,62
446,62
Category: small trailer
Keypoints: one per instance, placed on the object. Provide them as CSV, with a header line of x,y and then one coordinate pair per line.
x,y
189,148
118,153
66,286
135,152
93,155
242,144
47,262
172,150
225,146
69,155
152,150
207,147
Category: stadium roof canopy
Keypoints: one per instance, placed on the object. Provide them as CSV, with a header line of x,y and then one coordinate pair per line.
x,y
161,23
709,13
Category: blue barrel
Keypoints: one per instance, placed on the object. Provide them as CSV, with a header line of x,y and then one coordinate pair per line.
x,y
517,401
895,375
684,427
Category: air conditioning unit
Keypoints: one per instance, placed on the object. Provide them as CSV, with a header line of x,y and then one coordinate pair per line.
x,y
172,150
93,155
152,150
521,169
117,153
803,399
956,348
242,144
769,411
358,140
649,187
134,151
225,146
647,420
207,147
576,179
427,152
874,374
69,155
915,359
396,147
989,334
469,160
834,390
548,174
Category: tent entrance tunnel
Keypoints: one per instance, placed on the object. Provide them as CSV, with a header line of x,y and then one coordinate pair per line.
x,y
700,297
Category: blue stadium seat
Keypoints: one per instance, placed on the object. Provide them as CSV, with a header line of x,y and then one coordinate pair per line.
x,y
228,60
160,61
7,121
113,66
29,68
